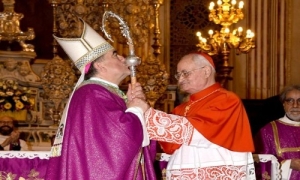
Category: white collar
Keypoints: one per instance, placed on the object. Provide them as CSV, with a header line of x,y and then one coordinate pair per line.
x,y
102,80
285,119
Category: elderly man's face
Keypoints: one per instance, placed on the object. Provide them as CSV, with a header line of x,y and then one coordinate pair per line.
x,y
190,76
6,126
292,105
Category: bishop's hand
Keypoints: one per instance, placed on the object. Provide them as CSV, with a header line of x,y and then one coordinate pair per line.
x,y
135,91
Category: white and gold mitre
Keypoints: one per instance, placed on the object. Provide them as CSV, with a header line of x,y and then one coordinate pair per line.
x,y
85,49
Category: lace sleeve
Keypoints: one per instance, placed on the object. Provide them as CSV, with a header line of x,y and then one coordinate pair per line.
x,y
168,127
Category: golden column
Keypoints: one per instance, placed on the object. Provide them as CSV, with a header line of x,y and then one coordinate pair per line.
x,y
221,42
58,76
152,72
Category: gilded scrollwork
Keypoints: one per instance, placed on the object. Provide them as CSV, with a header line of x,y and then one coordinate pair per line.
x,y
58,79
19,70
10,27
138,16
137,13
154,78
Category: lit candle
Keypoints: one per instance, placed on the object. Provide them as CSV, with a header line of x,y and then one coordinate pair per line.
x,y
219,2
248,33
198,34
240,30
241,5
226,30
234,32
211,6
233,2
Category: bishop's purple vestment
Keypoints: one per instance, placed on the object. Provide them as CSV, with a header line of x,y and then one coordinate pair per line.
x,y
101,141
287,133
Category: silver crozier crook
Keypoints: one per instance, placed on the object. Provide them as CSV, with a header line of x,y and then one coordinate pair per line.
x,y
131,60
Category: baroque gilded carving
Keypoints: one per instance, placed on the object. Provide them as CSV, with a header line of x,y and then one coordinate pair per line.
x,y
135,12
154,78
10,27
155,85
19,70
140,15
58,80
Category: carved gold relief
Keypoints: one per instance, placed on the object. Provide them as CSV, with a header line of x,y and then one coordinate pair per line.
x,y
154,78
10,27
136,13
140,17
58,80
19,70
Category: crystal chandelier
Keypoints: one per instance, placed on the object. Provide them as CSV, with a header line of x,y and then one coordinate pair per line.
x,y
220,42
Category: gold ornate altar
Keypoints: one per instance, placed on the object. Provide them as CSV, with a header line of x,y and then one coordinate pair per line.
x,y
21,90
10,27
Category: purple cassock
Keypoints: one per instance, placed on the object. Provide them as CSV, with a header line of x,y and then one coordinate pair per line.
x,y
288,139
101,141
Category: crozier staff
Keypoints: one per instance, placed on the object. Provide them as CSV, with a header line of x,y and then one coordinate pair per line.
x,y
131,60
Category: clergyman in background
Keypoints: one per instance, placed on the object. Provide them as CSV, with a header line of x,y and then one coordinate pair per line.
x,y
9,136
281,137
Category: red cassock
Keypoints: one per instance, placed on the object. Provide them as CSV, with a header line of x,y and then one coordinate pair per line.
x,y
220,117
